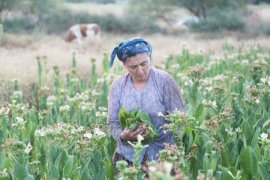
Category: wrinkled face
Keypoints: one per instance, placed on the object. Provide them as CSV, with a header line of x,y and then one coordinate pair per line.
x,y
138,66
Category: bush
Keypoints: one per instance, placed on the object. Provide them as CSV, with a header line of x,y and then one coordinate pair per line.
x,y
136,23
218,20
265,29
95,1
1,33
52,19
17,25
104,1
59,21
77,1
261,28
109,22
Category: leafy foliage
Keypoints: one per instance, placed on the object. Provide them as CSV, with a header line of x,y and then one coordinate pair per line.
x,y
136,117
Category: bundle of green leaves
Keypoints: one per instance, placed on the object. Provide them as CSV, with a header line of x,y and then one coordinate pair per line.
x,y
134,118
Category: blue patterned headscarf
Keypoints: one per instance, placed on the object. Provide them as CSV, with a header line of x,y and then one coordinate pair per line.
x,y
130,47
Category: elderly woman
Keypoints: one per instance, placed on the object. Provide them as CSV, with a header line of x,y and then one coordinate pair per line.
x,y
144,87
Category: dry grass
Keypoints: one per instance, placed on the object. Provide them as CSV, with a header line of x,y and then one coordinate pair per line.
x,y
20,62
12,42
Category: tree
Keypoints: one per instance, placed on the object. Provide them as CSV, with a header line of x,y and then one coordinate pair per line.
x,y
158,9
200,8
6,5
209,13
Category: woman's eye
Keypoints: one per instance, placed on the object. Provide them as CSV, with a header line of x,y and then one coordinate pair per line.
x,y
143,64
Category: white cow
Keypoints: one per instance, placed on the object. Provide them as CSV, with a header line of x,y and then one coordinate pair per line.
x,y
79,31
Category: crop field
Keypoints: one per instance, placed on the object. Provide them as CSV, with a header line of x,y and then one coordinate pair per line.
x,y
60,131
54,97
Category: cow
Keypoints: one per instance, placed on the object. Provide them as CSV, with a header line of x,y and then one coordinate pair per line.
x,y
79,32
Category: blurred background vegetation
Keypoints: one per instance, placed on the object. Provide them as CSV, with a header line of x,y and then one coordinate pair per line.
x,y
148,16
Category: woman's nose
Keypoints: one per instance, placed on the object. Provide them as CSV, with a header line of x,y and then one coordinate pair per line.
x,y
140,69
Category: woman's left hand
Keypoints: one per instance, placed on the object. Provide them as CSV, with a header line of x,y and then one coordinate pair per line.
x,y
129,135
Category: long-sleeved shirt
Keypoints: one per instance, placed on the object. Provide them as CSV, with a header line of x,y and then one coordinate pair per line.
x,y
160,94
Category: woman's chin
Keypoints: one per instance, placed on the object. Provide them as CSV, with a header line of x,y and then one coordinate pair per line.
x,y
141,78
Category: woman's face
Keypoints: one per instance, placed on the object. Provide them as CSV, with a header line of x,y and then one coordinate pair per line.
x,y
138,66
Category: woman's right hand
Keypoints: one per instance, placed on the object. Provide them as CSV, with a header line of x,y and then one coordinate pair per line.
x,y
130,135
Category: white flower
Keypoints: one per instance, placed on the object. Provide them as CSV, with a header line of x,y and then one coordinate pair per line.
x,y
209,89
264,136
83,97
50,100
100,80
95,93
245,61
238,130
80,129
98,132
45,88
188,82
152,168
104,114
4,173
19,120
160,114
40,133
207,81
98,114
101,114
76,129
257,101
220,77
205,102
182,91
175,66
74,80
4,111
214,104
101,108
86,106
229,131
62,91
88,135
168,166
263,80
140,138
28,148
64,108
